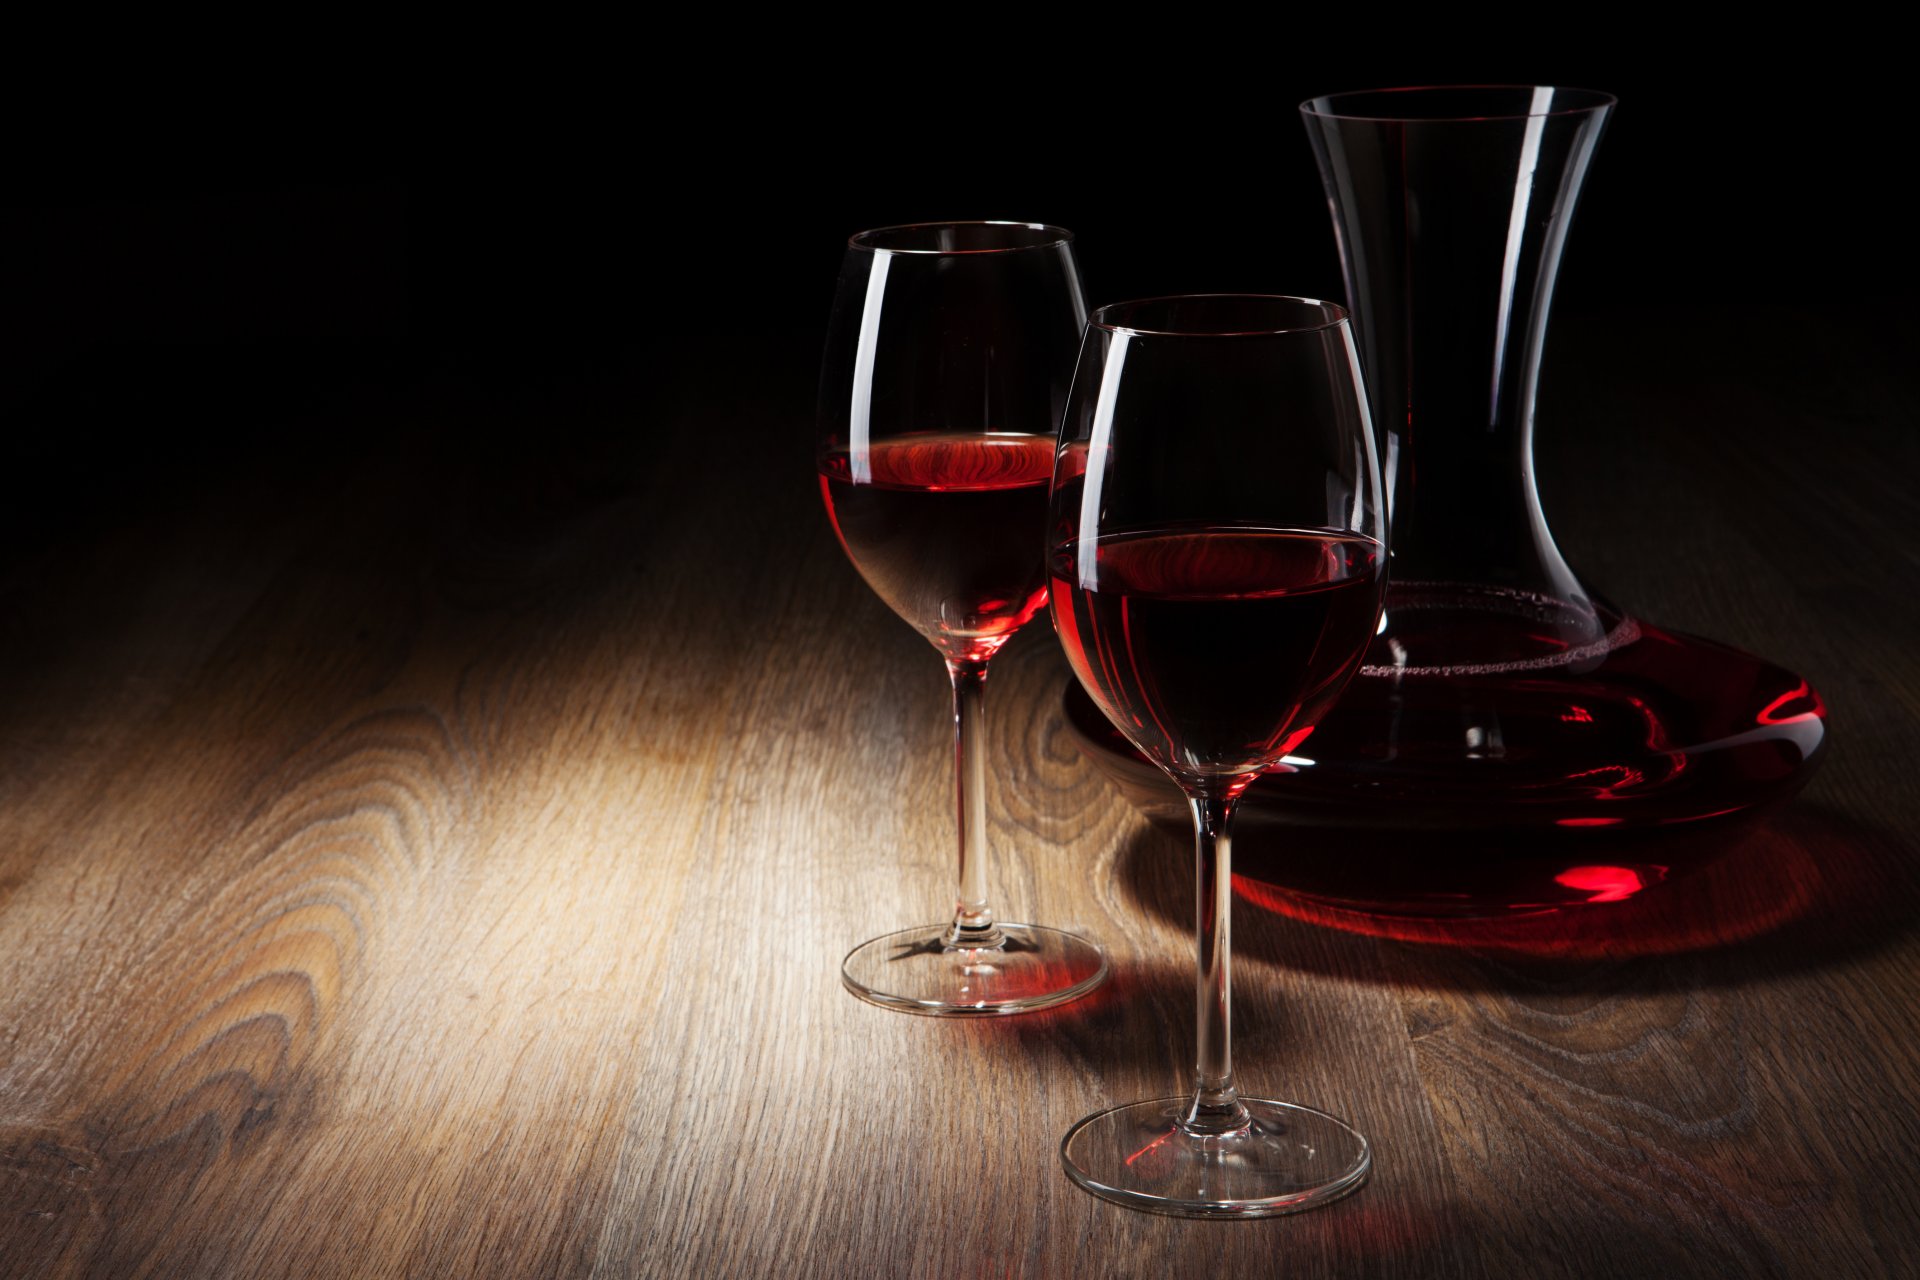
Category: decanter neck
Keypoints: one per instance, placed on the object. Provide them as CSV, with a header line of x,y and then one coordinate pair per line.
x,y
1450,235
1450,231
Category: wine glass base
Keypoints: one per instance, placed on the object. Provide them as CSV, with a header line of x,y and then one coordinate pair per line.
x,y
1288,1158
915,970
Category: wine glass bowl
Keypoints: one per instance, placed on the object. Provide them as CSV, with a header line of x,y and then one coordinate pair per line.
x,y
948,361
1216,561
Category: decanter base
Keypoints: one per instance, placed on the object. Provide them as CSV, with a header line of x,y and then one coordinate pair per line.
x,y
1512,791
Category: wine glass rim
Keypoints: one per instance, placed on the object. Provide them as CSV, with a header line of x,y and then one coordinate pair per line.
x,y
1591,100
1336,315
1053,237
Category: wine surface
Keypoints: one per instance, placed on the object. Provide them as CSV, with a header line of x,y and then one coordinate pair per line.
x,y
948,530
1215,650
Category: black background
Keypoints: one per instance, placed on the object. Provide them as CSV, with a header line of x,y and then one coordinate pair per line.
x,y
196,257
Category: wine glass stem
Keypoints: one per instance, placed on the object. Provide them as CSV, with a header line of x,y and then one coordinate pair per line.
x,y
973,924
1216,1106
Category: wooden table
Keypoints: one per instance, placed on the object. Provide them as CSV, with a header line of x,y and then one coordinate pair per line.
x,y
431,855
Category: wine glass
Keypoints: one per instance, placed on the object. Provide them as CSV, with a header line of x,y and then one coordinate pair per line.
x,y
1216,556
948,361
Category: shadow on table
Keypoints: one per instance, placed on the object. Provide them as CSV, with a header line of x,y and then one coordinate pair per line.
x,y
1799,889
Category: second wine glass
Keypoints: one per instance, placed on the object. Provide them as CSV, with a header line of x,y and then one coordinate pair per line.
x,y
948,362
1217,559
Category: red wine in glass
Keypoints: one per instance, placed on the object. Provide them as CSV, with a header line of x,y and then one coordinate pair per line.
x,y
1221,647
944,528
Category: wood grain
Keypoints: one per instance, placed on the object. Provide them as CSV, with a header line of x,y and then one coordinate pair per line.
x,y
436,862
